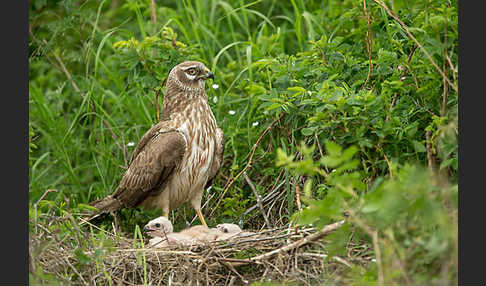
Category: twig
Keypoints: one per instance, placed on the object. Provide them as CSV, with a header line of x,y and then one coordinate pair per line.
x,y
297,197
35,205
115,137
269,196
76,271
220,197
258,198
401,79
444,92
428,147
376,246
45,194
451,66
157,98
374,235
286,235
313,237
386,159
66,72
369,43
232,280
77,231
338,259
83,221
124,150
61,66
152,9
232,269
407,31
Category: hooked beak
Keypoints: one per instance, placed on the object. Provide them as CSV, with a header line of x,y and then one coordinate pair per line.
x,y
209,74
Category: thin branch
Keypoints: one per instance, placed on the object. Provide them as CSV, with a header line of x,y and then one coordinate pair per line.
x,y
250,160
395,96
41,198
157,98
306,240
258,198
297,197
376,245
62,67
428,144
66,72
153,14
75,271
369,43
386,159
444,92
265,199
319,255
407,31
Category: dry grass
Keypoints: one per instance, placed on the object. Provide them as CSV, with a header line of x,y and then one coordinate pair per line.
x,y
279,254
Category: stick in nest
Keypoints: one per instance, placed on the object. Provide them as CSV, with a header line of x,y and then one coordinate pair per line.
x,y
313,237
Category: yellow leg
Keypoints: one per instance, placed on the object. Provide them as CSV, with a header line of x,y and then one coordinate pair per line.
x,y
199,214
166,215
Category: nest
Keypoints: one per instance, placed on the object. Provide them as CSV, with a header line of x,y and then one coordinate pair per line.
x,y
281,254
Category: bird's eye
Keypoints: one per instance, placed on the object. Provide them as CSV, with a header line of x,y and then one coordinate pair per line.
x,y
225,230
191,71
157,225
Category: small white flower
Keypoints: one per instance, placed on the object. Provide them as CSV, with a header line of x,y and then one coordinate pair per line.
x,y
131,144
215,86
373,260
402,78
232,112
215,99
255,123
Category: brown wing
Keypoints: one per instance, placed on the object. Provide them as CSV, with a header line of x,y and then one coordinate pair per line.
x,y
157,155
218,156
162,126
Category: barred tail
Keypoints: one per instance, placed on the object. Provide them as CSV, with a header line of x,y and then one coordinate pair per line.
x,y
105,205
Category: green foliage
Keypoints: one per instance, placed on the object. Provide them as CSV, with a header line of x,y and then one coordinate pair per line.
x,y
354,143
414,215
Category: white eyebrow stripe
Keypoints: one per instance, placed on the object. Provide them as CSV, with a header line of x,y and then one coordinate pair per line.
x,y
191,67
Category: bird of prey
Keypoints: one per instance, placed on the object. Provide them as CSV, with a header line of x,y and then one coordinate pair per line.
x,y
179,156
231,230
228,228
161,231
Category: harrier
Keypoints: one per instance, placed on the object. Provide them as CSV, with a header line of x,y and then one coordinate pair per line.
x,y
179,156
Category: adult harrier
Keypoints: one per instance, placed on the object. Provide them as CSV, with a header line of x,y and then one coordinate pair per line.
x,y
179,156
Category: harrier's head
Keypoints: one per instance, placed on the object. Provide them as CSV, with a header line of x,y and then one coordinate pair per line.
x,y
190,76
228,228
158,226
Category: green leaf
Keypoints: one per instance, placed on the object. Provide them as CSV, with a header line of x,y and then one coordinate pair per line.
x,y
449,162
297,90
308,131
332,148
330,161
419,147
349,153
